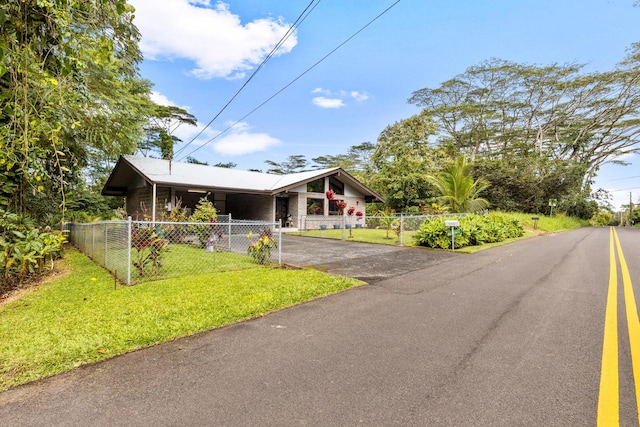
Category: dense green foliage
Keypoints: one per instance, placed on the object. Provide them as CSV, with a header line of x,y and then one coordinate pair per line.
x,y
24,249
474,230
70,96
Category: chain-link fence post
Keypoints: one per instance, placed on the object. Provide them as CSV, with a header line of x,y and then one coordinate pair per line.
x,y
106,243
401,229
129,230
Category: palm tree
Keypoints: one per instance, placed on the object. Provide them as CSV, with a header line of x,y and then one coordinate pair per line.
x,y
458,189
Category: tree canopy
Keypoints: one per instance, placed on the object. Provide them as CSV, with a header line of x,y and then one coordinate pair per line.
x,y
69,90
537,132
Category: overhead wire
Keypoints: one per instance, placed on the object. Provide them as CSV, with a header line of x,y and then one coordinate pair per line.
x,y
301,18
293,81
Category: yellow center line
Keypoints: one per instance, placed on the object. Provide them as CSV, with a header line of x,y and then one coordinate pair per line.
x,y
608,398
633,324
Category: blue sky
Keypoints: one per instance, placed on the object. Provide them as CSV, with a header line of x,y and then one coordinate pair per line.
x,y
199,53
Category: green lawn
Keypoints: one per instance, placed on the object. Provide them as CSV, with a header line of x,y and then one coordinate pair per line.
x,y
83,317
182,259
366,235
545,224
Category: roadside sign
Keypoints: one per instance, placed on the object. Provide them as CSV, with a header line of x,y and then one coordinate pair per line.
x,y
457,231
452,223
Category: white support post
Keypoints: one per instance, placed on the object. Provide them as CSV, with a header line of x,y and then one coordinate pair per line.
x,y
280,242
153,204
229,234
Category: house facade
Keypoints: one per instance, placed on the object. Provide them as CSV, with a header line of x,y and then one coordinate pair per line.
x,y
154,187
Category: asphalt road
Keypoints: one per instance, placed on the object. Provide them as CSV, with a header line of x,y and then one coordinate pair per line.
x,y
511,336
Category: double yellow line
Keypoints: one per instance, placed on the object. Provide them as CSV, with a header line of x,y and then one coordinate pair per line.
x,y
609,397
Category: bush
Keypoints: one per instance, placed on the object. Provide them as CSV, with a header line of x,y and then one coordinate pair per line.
x,y
474,230
204,212
24,249
601,219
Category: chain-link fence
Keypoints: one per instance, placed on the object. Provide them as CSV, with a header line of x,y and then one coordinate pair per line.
x,y
397,229
137,251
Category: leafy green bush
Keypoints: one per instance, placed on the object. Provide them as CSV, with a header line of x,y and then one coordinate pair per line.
x,y
474,230
204,212
24,249
601,218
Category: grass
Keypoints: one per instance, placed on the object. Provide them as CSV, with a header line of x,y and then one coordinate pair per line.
x,y
545,224
182,259
83,317
366,235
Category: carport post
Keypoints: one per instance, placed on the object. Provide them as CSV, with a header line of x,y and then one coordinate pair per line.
x,y
229,231
344,227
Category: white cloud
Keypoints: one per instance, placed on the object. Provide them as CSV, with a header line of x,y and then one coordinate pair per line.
x,y
336,99
326,92
359,96
161,99
211,36
323,102
245,143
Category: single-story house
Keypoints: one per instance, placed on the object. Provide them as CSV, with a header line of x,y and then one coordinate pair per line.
x,y
153,187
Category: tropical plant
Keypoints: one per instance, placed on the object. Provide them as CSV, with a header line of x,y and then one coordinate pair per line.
x,y
458,189
24,249
205,212
387,220
149,251
260,250
474,230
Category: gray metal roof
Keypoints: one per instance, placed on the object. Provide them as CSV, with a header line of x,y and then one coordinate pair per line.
x,y
189,175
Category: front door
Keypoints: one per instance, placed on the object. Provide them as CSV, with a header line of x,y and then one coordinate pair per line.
x,y
282,210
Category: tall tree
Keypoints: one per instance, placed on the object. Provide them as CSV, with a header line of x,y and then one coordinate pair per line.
x,y
293,164
69,86
402,159
500,109
159,130
538,132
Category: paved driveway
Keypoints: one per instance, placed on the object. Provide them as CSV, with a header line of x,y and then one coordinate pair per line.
x,y
364,261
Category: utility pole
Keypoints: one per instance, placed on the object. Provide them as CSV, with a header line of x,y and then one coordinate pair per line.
x,y
630,210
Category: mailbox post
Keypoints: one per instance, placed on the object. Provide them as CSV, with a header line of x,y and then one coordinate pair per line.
x,y
535,221
453,224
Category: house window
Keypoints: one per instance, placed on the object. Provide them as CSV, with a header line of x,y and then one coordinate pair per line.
x,y
316,186
336,207
336,186
315,206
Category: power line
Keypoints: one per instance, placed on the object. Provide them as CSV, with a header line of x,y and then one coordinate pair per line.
x,y
624,189
294,80
305,13
623,178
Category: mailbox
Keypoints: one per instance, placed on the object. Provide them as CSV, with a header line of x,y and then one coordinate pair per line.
x,y
535,222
